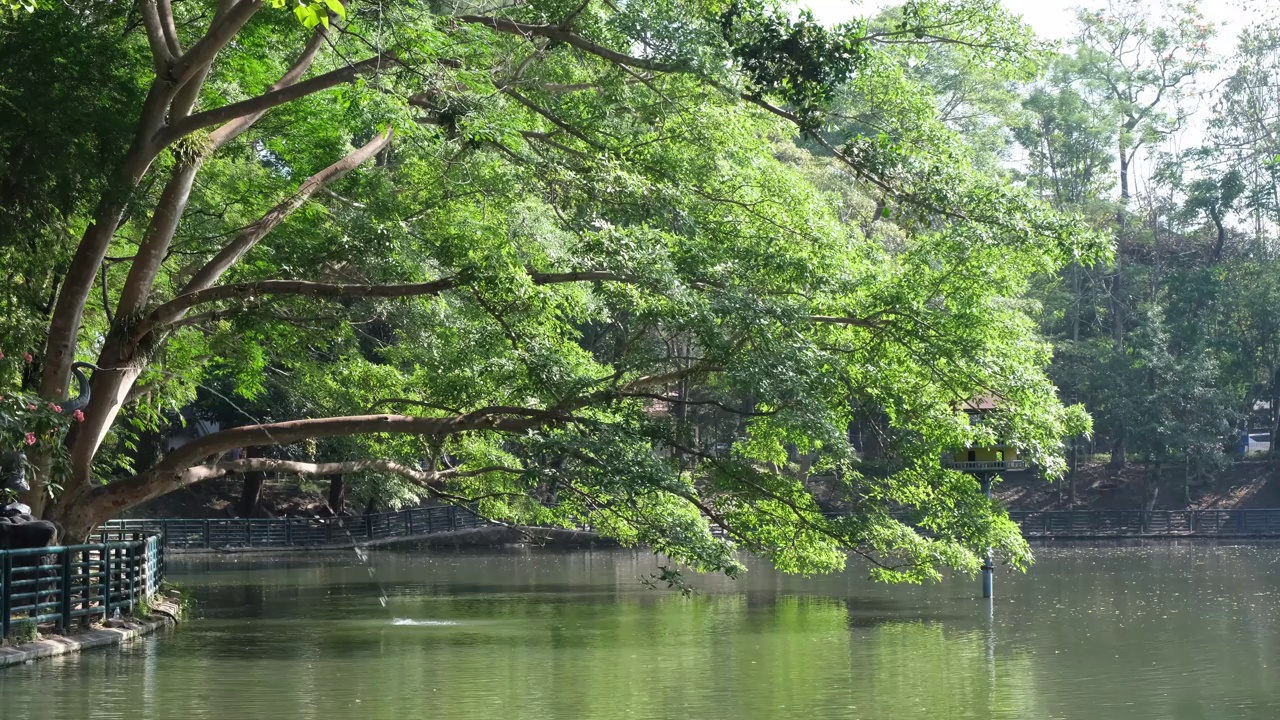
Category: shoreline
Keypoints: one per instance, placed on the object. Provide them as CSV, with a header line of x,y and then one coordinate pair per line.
x,y
166,615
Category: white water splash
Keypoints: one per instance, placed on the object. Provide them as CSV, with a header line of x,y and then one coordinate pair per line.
x,y
423,623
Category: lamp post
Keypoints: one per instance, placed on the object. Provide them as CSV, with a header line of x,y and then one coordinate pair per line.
x,y
988,568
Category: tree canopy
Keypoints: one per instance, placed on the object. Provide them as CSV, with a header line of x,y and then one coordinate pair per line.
x,y
576,263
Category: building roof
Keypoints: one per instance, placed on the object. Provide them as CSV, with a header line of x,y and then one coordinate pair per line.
x,y
981,403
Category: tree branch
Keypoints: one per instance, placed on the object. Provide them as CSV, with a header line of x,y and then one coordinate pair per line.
x,y
180,468
260,104
165,9
172,311
209,274
715,403
558,33
552,118
220,33
161,52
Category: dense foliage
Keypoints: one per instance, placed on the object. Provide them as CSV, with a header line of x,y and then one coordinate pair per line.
x,y
630,265
1172,347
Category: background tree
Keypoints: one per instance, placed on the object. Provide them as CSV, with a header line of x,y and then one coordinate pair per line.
x,y
1138,68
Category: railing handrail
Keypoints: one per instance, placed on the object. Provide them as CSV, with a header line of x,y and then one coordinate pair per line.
x,y
82,581
57,549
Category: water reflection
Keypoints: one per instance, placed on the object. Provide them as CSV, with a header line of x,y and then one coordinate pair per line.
x,y
1175,632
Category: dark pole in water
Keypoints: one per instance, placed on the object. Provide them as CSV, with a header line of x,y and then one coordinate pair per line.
x,y
987,568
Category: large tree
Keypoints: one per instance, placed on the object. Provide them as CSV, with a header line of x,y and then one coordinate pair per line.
x,y
1139,68
501,254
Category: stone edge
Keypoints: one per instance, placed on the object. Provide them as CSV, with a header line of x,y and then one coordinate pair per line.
x,y
56,645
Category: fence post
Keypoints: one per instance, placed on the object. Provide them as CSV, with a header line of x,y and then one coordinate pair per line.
x,y
86,575
133,576
64,597
5,577
106,582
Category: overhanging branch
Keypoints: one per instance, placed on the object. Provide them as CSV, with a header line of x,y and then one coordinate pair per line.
x,y
172,311
560,34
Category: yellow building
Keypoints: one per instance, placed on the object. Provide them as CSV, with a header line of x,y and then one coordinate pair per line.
x,y
996,458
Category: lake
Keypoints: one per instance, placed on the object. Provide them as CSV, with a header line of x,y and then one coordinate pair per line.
x,y
1178,631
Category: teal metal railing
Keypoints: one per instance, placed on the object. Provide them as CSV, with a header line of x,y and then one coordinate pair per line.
x,y
64,583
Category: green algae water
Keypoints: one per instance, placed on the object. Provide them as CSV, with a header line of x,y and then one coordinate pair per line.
x,y
1171,631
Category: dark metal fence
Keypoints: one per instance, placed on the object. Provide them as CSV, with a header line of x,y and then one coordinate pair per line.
x,y
302,532
63,583
1263,522
231,533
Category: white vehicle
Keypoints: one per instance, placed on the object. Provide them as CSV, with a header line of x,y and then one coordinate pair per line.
x,y
1259,442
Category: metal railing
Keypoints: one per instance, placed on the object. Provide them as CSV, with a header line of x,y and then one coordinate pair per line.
x,y
984,465
217,533
234,533
1262,522
62,583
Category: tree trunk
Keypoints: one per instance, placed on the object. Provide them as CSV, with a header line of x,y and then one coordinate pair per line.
x,y
251,493
1272,455
1073,471
1117,302
1152,486
337,494
1186,479
1117,448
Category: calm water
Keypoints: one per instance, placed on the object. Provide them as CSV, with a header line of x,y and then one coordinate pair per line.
x,y
1093,633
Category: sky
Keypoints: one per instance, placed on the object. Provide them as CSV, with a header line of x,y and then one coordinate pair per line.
x,y
1055,18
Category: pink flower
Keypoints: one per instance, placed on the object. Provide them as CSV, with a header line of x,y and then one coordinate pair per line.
x,y
55,408
27,357
78,415
31,438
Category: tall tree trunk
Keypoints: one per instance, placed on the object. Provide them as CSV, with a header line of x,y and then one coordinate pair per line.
x,y
251,492
1186,479
1073,471
1117,302
1272,455
337,493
